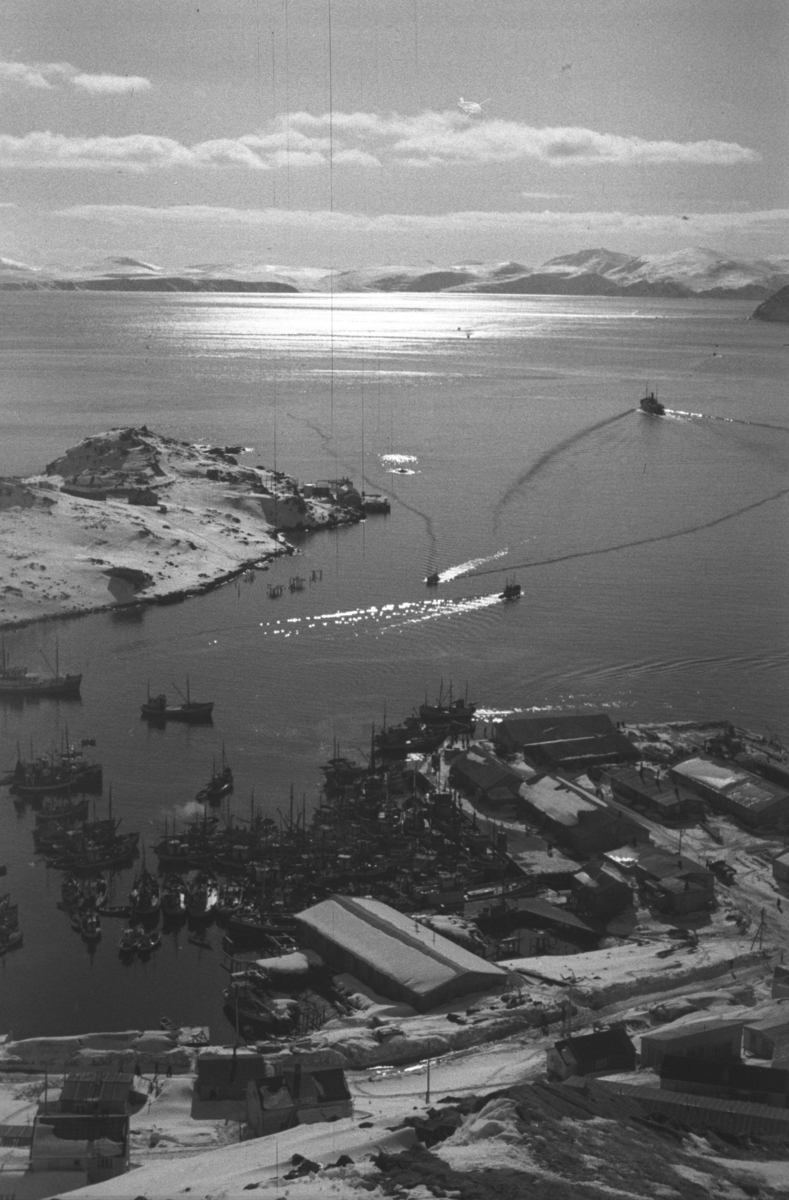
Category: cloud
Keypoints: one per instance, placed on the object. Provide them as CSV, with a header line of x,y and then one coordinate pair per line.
x,y
361,140
139,152
46,76
110,84
460,223
450,138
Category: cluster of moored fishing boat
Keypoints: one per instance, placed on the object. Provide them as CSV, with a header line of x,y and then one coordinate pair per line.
x,y
380,830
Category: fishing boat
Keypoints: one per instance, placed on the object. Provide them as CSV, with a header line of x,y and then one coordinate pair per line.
x,y
56,811
417,738
145,897
98,856
173,897
201,896
194,712
21,682
68,772
649,403
219,785
455,712
127,943
251,921
90,926
147,941
512,591
432,580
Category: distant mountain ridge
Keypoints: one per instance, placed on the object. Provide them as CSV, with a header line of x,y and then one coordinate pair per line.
x,y
695,271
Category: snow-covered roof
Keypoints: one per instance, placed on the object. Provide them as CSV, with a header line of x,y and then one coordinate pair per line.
x,y
396,945
557,800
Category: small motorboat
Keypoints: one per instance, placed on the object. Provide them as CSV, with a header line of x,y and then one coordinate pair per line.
x,y
432,580
650,404
512,591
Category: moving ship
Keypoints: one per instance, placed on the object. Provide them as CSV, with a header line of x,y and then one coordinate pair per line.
x,y
650,404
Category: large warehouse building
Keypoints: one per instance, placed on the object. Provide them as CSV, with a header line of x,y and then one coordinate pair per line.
x,y
393,954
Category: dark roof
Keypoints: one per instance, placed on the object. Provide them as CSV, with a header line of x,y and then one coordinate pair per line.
x,y
612,1045
549,912
227,1069
486,772
662,865
728,1074
566,738
331,1083
681,1029
96,1087
82,1128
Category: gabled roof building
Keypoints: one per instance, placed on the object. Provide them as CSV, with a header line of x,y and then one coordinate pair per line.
x,y
394,954
565,741
757,802
606,1050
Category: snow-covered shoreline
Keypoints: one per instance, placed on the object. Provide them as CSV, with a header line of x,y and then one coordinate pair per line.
x,y
143,519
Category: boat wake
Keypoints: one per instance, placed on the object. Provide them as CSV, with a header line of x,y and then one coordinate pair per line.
x,y
678,412
384,616
546,459
467,568
645,541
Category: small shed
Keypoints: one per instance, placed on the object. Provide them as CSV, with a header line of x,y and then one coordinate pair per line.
x,y
297,1097
714,1039
764,1036
96,1093
604,1051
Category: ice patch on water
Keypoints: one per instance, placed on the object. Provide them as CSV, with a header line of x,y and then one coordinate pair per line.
x,y
471,565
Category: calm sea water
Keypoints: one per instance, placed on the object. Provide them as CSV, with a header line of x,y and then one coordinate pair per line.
x,y
651,553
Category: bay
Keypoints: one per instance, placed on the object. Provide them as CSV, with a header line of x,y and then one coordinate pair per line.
x,y
651,553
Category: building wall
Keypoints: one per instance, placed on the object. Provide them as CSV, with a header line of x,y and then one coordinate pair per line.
x,y
715,1045
762,1042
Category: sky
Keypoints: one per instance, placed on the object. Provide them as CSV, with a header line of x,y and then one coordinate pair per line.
x,y
329,132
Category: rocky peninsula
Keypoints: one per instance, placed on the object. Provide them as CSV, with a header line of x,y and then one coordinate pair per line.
x,y
129,517
774,308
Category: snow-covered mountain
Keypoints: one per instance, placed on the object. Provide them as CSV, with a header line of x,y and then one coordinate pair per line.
x,y
695,271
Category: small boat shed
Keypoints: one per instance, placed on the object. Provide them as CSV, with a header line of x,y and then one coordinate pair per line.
x,y
393,953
